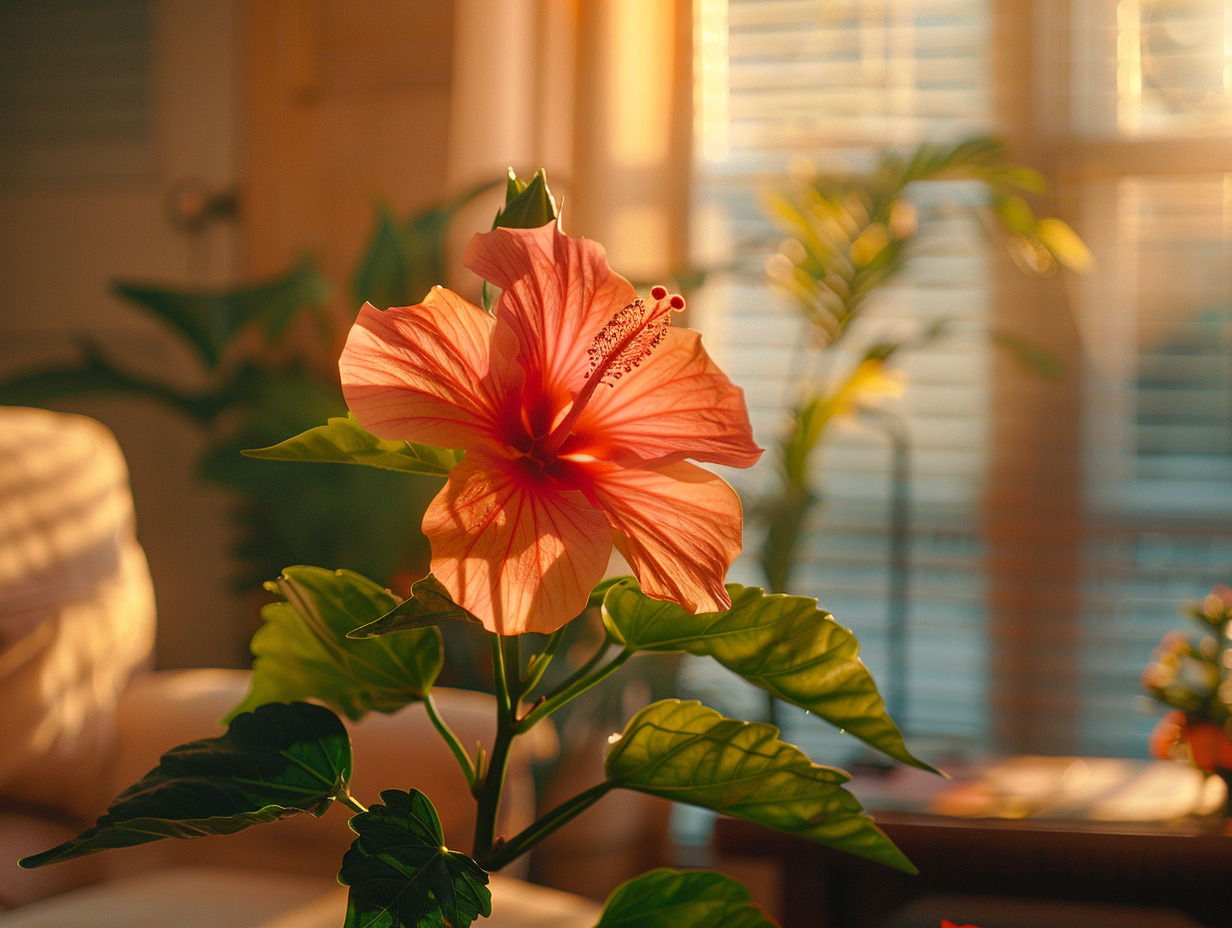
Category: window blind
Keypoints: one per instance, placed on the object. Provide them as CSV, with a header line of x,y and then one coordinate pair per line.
x,y
837,83
75,88
1137,121
1160,473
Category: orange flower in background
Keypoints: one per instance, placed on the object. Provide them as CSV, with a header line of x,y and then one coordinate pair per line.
x,y
577,406
1206,743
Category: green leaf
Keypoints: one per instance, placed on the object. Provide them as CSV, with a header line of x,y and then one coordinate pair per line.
x,y
278,761
527,205
1014,214
600,591
210,320
1034,357
302,649
666,898
383,270
429,604
402,876
344,441
1064,244
96,375
686,752
783,644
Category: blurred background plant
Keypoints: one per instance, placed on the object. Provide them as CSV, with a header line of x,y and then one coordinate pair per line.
x,y
849,235
1194,678
267,358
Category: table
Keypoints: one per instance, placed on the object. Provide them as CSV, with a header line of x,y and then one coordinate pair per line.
x,y
987,832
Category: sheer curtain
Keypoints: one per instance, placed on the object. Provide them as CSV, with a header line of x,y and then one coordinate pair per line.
x,y
598,92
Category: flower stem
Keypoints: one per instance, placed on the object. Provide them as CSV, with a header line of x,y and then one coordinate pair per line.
x,y
571,690
451,739
487,788
524,841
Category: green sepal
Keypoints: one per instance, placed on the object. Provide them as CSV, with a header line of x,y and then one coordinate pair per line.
x,y
401,874
342,440
302,649
527,205
783,644
278,761
686,752
667,898
209,320
429,604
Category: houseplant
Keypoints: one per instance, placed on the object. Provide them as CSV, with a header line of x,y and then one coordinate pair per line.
x,y
849,235
263,359
574,405
1194,679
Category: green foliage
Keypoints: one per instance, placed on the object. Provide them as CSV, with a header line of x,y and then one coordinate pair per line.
x,y
209,321
783,644
688,753
359,518
303,650
254,398
429,604
342,440
402,876
849,235
666,898
404,259
278,761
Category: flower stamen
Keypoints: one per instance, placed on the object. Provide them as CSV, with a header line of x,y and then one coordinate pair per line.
x,y
629,336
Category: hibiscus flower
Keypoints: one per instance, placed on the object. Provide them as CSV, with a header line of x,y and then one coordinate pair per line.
x,y
577,405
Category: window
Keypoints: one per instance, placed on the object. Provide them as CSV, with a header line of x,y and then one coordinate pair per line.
x,y
1056,527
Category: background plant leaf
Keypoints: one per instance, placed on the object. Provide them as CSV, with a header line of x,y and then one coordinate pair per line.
x,y
783,644
402,876
342,440
302,649
686,752
428,604
666,898
210,319
278,761
404,259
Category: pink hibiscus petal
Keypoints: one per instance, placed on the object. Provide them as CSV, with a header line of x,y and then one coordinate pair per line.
x,y
558,292
678,526
521,554
677,404
421,373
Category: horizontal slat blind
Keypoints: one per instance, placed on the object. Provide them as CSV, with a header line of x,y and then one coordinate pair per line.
x,y
1157,320
838,83
1160,475
1150,67
75,88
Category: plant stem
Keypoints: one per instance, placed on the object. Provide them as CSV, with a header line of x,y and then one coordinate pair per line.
x,y
539,663
451,739
571,690
351,802
488,789
525,840
499,677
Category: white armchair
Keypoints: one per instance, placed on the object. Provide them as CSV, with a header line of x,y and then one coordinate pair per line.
x,y
85,718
